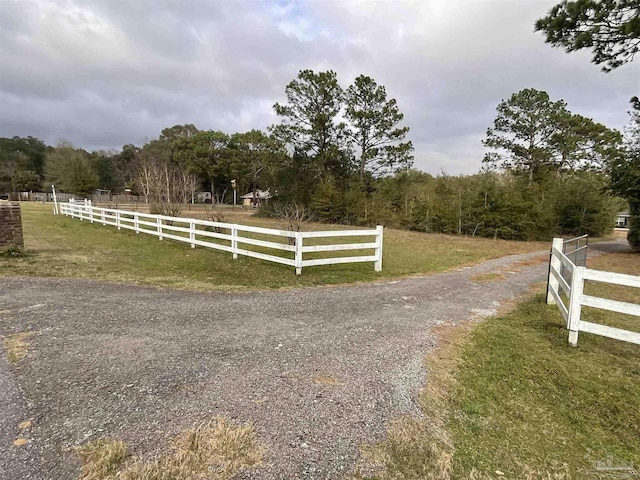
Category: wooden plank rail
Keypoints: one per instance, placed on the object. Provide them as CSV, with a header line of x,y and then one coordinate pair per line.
x,y
577,299
196,232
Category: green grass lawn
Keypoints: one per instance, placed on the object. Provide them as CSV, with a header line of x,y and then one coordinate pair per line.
x,y
511,399
66,247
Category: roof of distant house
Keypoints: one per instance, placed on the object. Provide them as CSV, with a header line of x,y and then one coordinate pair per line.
x,y
623,214
260,195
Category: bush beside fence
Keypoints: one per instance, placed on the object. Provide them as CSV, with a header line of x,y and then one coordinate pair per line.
x,y
232,237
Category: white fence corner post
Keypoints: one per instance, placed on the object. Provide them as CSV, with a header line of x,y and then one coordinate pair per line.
x,y
298,238
234,241
192,233
136,222
104,222
379,237
575,304
118,219
159,224
91,214
554,262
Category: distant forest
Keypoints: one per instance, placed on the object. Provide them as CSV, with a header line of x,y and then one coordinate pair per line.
x,y
345,155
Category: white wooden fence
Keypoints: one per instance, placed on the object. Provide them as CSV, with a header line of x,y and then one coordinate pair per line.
x,y
204,232
572,284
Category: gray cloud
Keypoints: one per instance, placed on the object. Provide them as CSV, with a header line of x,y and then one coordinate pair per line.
x,y
106,73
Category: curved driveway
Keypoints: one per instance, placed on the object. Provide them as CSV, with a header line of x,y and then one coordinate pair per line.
x,y
317,371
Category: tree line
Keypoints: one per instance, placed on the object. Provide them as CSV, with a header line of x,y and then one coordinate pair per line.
x,y
344,155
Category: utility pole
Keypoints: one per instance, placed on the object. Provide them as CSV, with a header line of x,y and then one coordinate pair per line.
x,y
233,185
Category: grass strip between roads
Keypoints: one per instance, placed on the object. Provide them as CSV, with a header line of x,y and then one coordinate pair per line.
x,y
58,246
509,398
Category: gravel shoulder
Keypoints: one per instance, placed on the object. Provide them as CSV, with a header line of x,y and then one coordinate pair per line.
x,y
317,371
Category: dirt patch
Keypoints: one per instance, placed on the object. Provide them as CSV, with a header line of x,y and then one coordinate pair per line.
x,y
500,274
17,346
487,277
327,380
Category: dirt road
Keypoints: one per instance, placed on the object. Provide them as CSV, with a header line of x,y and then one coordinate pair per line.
x,y
317,371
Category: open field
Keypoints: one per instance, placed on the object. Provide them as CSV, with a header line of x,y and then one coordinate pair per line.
x,y
509,398
65,247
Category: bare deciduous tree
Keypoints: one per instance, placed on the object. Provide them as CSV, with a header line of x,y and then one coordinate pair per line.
x,y
293,216
165,187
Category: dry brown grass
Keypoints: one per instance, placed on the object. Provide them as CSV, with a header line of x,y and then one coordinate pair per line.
x,y
487,277
17,346
529,262
501,273
327,380
626,262
217,450
102,459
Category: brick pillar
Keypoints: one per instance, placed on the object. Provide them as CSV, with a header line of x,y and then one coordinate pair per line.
x,y
10,225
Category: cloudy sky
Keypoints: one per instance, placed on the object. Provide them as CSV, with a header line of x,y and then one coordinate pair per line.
x,y
104,73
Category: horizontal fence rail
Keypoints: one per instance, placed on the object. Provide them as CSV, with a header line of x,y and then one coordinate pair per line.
x,y
565,277
290,247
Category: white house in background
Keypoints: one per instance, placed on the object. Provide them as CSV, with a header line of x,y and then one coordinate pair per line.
x,y
203,197
622,220
247,200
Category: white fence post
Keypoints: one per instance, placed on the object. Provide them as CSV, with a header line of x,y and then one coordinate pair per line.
x,y
55,201
136,222
234,241
298,252
575,305
554,262
104,222
378,265
159,223
118,219
192,233
91,214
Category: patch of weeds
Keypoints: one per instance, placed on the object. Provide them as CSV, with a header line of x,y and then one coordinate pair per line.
x,y
102,459
17,346
13,251
414,449
487,277
216,450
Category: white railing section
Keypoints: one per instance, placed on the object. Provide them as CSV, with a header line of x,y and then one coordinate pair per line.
x,y
572,285
233,238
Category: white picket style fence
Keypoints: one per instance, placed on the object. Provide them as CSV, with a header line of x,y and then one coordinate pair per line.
x,y
168,227
572,284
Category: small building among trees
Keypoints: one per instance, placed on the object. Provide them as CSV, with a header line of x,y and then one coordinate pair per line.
x,y
256,200
622,220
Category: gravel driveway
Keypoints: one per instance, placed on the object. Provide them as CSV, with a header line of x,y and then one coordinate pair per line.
x,y
317,371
